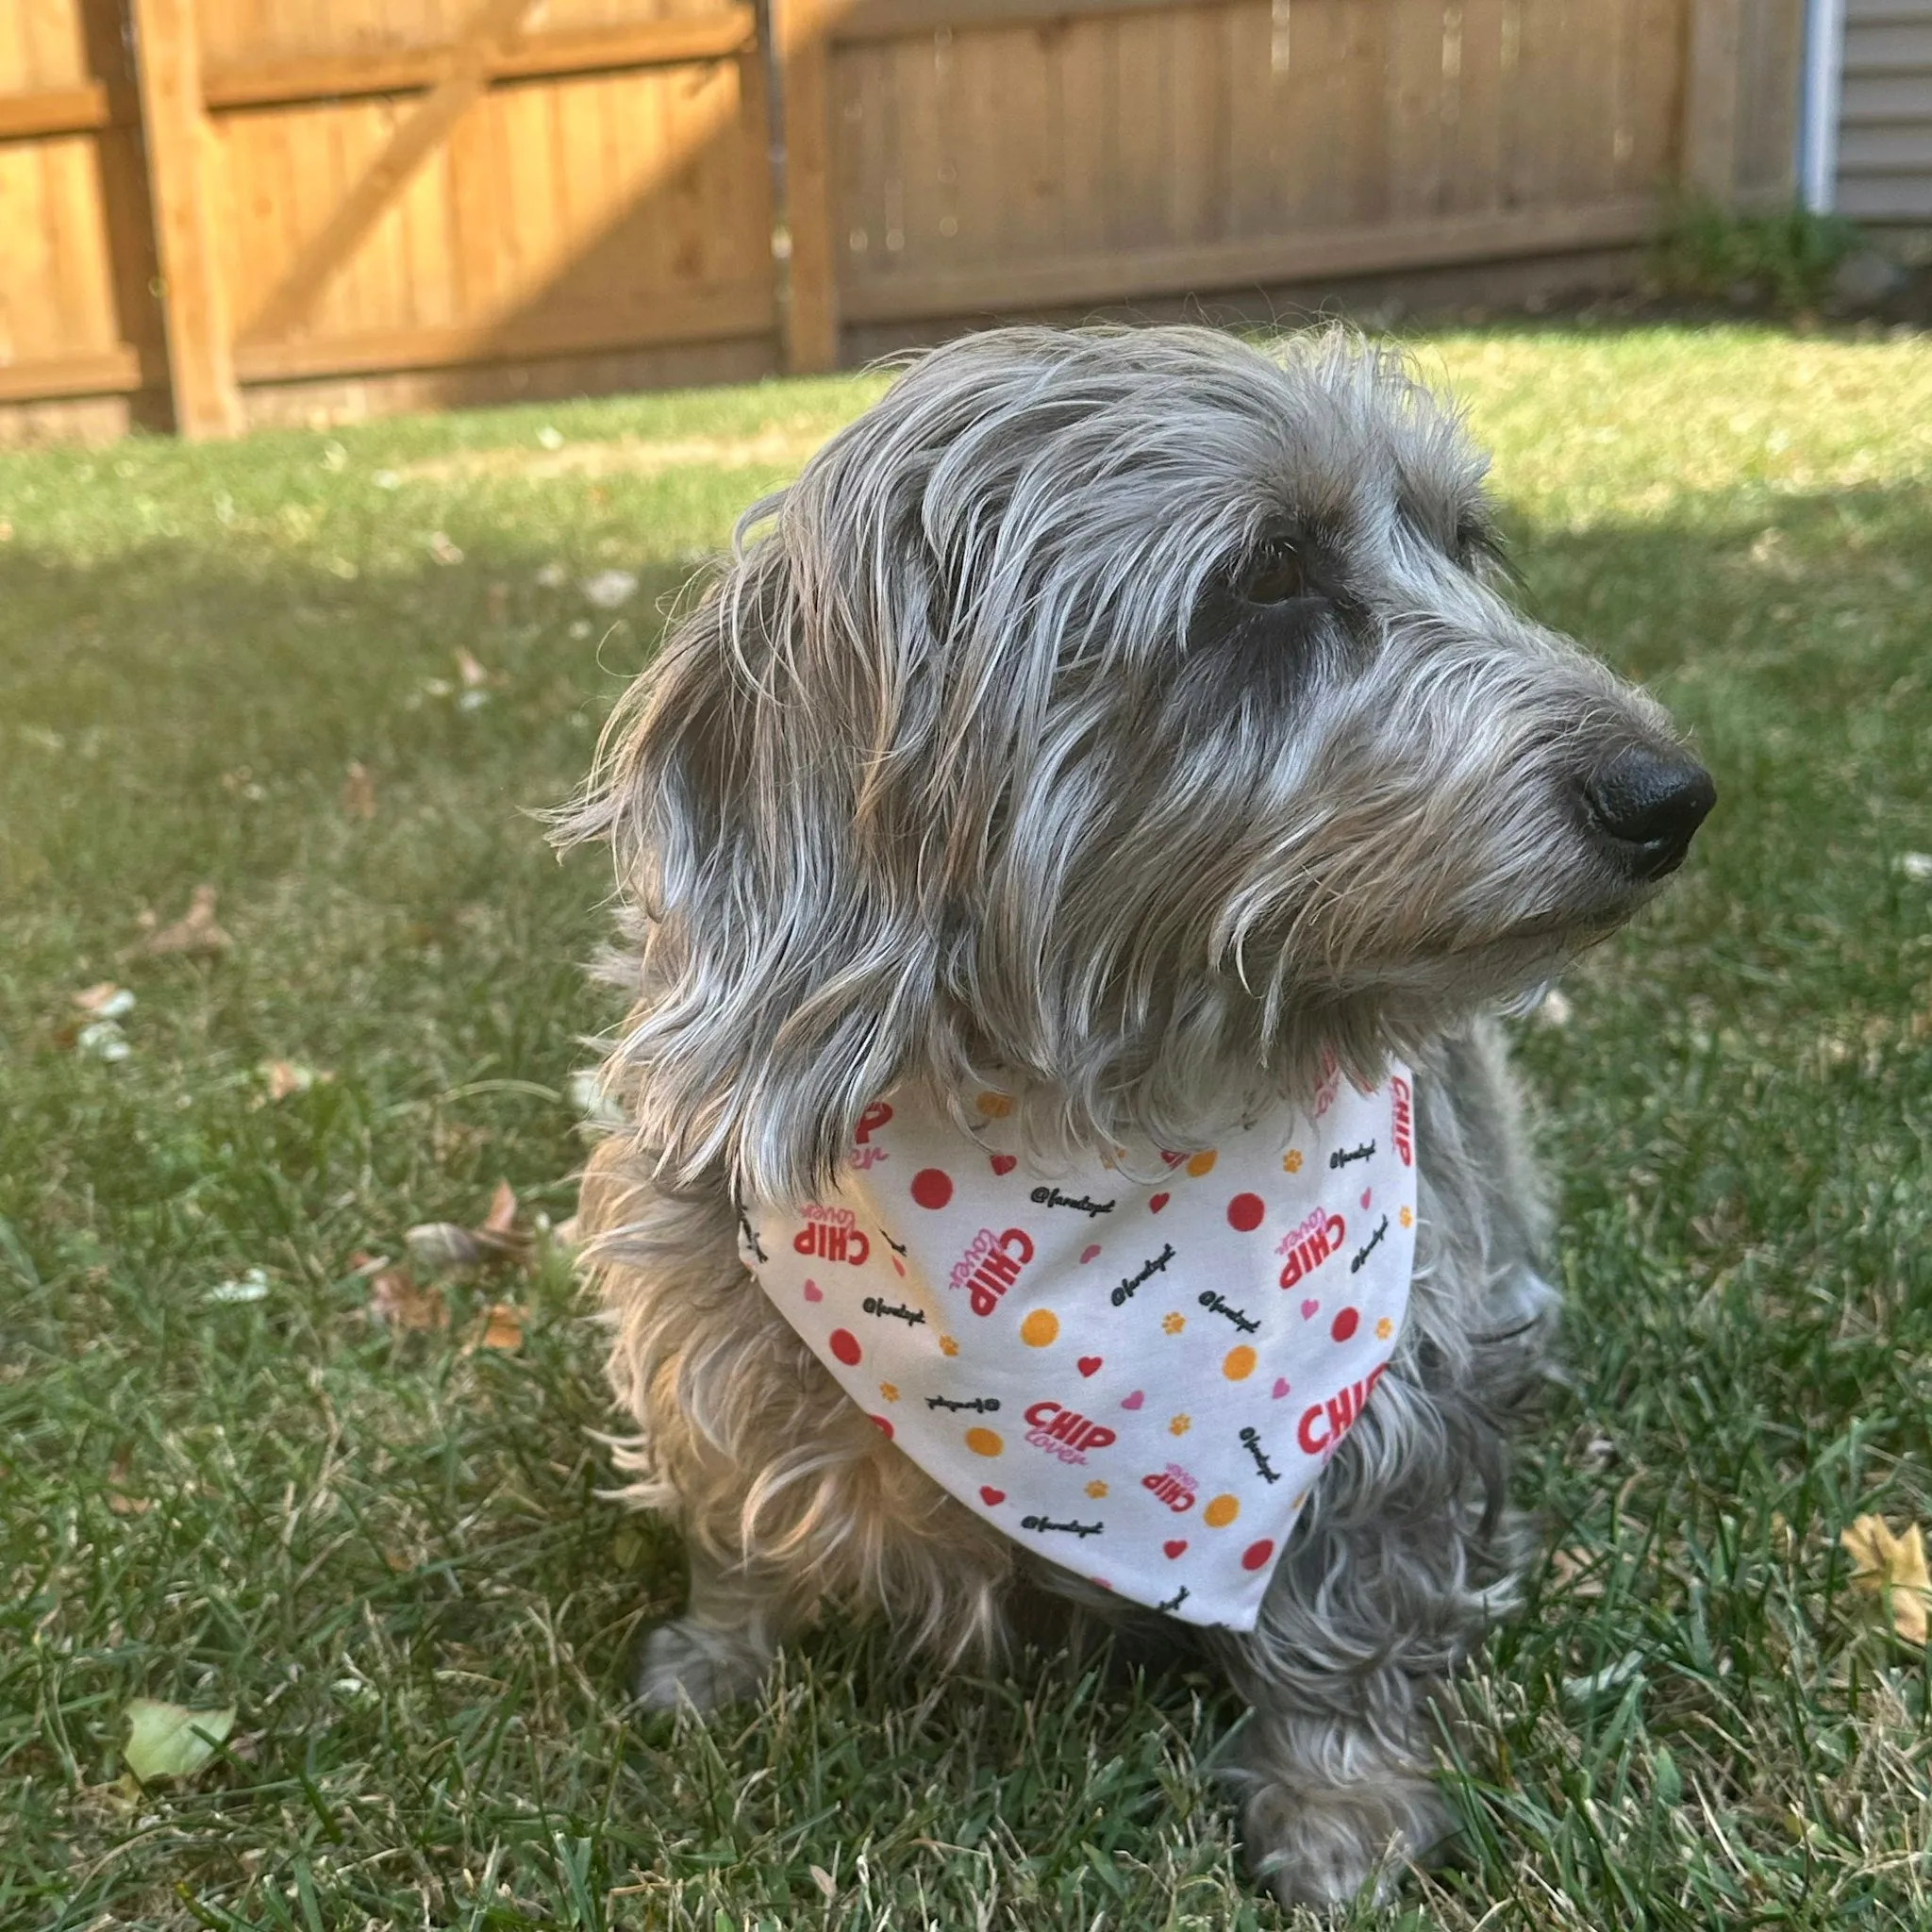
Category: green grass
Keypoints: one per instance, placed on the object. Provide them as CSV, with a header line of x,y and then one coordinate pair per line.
x,y
389,1553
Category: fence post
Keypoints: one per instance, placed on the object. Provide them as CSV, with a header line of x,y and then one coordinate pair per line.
x,y
1712,80
805,62
201,361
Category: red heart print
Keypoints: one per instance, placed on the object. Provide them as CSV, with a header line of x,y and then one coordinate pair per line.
x,y
1088,1253
813,1293
1004,1164
1135,1400
1367,1194
1280,1387
1088,1364
992,1498
1174,1548
1310,1310
1155,1203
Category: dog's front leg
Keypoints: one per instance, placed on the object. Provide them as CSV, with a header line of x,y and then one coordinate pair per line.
x,y
1362,1623
719,1651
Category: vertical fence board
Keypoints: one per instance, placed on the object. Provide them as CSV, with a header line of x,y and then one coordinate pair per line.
x,y
804,52
194,304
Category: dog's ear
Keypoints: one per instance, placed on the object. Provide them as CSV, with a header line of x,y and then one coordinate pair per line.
x,y
788,972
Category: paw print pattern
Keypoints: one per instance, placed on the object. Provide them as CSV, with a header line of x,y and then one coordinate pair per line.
x,y
1292,1161
1173,1322
1409,1217
1180,1426
1096,1489
888,1391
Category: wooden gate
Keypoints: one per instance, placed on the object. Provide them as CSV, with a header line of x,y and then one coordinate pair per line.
x,y
391,185
200,198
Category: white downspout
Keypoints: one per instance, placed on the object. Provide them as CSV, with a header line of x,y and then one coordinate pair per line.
x,y
1818,107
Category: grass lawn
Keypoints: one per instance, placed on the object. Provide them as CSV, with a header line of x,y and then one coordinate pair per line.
x,y
383,1544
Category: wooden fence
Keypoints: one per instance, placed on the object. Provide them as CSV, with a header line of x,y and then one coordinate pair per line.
x,y
212,200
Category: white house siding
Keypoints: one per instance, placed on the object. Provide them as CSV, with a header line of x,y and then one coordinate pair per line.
x,y
1885,121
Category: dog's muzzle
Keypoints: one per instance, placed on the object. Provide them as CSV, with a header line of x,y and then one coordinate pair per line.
x,y
1644,808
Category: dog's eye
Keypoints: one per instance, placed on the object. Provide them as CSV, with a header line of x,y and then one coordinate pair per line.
x,y
1275,575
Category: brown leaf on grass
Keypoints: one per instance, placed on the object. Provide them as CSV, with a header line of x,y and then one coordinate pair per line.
x,y
499,1225
502,1327
447,1245
284,1077
193,935
1893,1569
398,1303
104,1000
118,1497
359,793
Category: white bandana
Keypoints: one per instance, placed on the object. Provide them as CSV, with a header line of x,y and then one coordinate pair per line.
x,y
1140,1378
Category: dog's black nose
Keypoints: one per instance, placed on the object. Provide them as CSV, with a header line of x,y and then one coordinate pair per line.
x,y
1647,808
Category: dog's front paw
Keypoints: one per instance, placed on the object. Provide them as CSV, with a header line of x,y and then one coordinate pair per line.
x,y
688,1662
1321,1846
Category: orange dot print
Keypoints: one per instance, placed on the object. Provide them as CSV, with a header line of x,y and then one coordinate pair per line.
x,y
1384,1329
1237,1364
1040,1329
947,1346
1201,1164
995,1105
1220,1512
983,1443
1292,1161
1407,1218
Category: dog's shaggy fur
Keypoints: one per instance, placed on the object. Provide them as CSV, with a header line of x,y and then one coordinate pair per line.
x,y
1124,720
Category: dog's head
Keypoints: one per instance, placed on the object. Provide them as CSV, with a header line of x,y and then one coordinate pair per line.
x,y
1132,717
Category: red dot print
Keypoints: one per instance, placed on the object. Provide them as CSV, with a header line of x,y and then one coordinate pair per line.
x,y
1245,1212
932,1187
1258,1554
883,1424
1344,1325
846,1346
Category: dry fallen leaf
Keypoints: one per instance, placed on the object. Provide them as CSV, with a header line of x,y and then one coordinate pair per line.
x,y
472,673
118,1497
359,793
502,1327
443,1246
1894,1568
194,933
104,1000
499,1225
398,1303
169,1741
284,1077
446,1244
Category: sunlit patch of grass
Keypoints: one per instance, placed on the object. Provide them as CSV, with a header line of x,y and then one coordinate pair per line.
x,y
387,1549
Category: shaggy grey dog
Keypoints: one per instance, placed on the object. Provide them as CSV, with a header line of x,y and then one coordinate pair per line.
x,y
1129,719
